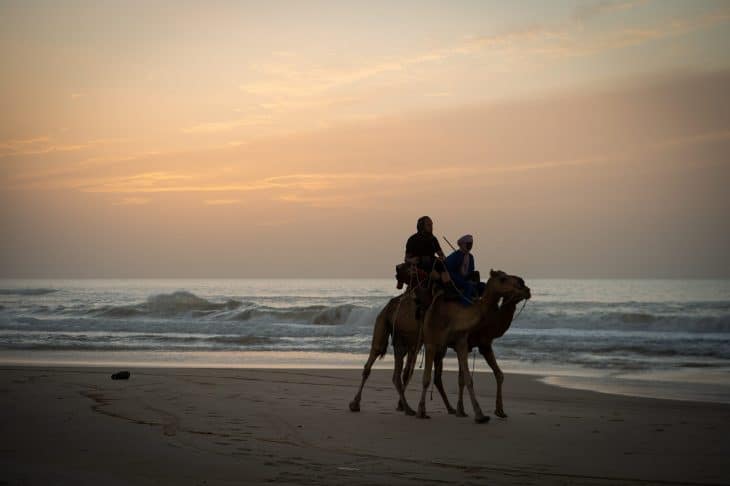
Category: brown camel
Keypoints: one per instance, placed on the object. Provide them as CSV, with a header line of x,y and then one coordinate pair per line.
x,y
398,318
408,341
450,323
495,325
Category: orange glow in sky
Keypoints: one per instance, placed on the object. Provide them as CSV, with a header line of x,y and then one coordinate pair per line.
x,y
293,139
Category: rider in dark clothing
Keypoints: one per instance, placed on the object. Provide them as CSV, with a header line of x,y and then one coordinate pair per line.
x,y
422,246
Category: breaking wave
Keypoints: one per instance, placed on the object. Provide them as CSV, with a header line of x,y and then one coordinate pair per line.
x,y
130,341
630,321
313,314
290,316
183,304
177,303
27,291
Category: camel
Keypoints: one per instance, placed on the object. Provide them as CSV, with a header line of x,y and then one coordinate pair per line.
x,y
408,340
496,324
398,318
450,324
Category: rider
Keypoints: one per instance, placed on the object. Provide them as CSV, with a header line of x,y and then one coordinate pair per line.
x,y
422,246
460,265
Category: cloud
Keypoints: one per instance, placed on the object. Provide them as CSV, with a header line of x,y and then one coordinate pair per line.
x,y
221,202
714,136
45,145
589,11
19,146
635,36
132,201
317,201
288,83
143,182
226,126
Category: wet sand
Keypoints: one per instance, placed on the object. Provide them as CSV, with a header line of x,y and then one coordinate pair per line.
x,y
63,425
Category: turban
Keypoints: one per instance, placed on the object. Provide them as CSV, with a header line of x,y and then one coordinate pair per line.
x,y
465,239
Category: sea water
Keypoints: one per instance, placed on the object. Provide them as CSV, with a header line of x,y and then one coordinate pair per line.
x,y
663,338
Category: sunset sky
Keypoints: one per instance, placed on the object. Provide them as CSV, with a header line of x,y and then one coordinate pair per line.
x,y
304,139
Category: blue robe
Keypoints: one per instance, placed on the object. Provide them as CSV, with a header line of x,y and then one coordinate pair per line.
x,y
468,288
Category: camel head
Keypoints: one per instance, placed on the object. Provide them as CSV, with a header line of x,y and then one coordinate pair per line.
x,y
510,287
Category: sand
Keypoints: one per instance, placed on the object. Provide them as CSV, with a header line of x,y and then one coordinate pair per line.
x,y
236,426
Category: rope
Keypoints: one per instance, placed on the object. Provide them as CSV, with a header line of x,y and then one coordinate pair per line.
x,y
520,312
468,299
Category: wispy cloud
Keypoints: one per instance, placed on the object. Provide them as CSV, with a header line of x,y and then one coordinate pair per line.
x,y
15,145
132,201
221,202
301,183
226,126
143,182
573,46
319,201
589,11
289,83
46,145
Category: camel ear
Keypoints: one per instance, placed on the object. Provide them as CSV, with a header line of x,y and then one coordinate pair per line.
x,y
492,273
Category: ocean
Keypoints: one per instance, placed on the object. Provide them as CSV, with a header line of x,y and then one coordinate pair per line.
x,y
659,338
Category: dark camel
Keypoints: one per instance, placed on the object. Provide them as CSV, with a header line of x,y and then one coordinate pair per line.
x,y
398,318
497,322
450,323
408,340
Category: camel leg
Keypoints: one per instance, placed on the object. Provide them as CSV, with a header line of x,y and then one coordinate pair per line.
x,y
378,347
460,404
426,381
397,372
407,373
355,403
462,351
499,376
438,370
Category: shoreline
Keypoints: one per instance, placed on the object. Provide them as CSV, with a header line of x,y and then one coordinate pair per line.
x,y
222,426
700,385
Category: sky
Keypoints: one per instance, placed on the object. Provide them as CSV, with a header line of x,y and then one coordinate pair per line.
x,y
304,139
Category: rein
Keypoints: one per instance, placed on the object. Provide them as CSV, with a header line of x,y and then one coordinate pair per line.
x,y
520,312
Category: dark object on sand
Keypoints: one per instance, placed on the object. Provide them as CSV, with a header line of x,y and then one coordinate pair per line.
x,y
122,375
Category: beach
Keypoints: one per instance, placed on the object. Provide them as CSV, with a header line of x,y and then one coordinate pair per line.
x,y
74,425
242,204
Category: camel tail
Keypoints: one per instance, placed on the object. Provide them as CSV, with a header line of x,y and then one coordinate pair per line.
x,y
381,333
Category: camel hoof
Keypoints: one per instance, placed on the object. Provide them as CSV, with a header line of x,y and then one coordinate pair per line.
x,y
354,406
500,413
423,416
399,407
461,414
481,419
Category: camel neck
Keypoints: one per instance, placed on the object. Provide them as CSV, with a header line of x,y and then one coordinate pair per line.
x,y
490,302
505,314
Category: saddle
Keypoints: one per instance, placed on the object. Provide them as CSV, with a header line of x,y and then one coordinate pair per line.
x,y
410,275
418,282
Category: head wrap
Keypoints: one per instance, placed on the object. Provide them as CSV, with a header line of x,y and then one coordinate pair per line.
x,y
465,239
